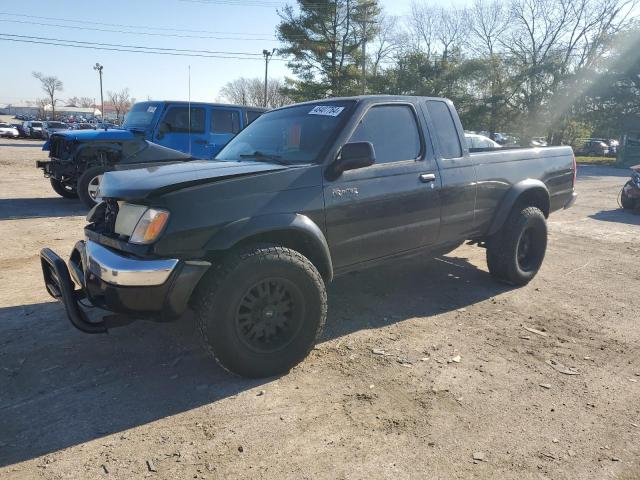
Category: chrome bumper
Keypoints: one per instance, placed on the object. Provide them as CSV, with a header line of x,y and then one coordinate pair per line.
x,y
119,270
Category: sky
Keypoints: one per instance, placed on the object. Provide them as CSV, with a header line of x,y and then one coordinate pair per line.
x,y
238,26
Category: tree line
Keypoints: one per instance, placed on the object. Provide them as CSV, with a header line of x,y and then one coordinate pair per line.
x,y
52,86
563,69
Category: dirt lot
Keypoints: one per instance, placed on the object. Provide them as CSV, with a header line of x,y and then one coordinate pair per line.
x,y
146,401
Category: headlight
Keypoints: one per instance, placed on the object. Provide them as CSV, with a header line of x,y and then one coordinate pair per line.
x,y
150,226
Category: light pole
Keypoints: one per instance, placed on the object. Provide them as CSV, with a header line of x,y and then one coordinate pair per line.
x,y
267,54
99,68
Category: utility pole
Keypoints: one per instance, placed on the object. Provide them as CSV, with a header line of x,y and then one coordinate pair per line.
x,y
364,51
267,55
99,68
365,21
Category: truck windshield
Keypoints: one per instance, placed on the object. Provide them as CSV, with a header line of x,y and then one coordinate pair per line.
x,y
290,135
141,115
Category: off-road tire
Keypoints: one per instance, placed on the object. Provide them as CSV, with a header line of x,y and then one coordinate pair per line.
x,y
627,202
223,291
60,189
505,257
83,185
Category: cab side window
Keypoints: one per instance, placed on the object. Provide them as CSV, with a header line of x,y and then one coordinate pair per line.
x,y
225,121
393,131
177,120
446,131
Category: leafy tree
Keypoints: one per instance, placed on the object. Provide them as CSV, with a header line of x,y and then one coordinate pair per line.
x,y
322,41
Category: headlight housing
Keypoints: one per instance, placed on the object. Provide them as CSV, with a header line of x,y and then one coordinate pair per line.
x,y
150,226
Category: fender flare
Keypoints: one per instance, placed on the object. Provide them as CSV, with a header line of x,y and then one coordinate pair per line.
x,y
506,204
245,228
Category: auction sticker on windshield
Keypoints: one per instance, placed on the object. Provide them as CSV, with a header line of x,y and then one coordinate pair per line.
x,y
326,110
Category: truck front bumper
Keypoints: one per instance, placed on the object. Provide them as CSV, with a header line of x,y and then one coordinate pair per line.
x,y
158,289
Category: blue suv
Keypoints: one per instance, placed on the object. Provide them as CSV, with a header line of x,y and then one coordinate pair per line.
x,y
152,132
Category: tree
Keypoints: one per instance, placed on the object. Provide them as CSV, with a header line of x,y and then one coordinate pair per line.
x,y
250,91
50,85
322,41
121,102
42,104
86,102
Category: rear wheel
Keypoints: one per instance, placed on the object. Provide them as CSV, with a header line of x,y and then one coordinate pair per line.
x,y
515,253
63,189
261,310
89,185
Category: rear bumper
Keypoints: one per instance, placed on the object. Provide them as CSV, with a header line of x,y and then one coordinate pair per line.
x,y
571,201
159,289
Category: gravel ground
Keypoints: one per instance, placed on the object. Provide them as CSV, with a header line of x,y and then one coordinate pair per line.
x,y
462,368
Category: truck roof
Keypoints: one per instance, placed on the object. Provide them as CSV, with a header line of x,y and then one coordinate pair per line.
x,y
185,102
367,98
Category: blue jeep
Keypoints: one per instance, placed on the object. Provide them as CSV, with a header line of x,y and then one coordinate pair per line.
x,y
155,132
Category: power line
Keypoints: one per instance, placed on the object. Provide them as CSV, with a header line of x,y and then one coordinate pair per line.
x,y
155,34
144,27
132,49
133,46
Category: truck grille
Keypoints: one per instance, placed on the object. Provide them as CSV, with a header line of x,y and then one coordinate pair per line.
x,y
59,147
110,214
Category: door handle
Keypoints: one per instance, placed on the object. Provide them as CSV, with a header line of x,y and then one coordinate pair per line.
x,y
427,177
200,142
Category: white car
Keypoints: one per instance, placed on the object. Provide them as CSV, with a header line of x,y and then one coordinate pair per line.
x,y
7,130
480,141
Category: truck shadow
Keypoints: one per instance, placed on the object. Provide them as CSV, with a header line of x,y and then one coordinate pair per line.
x,y
23,208
618,216
60,387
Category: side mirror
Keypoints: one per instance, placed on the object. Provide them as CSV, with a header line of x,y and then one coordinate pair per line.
x,y
163,128
354,155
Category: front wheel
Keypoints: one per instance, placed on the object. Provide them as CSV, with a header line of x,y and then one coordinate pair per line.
x,y
89,186
261,310
627,202
515,253
63,189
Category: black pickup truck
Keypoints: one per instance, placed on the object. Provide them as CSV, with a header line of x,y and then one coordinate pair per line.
x,y
304,193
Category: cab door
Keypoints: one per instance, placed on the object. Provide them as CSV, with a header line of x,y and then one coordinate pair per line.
x,y
224,125
392,206
176,131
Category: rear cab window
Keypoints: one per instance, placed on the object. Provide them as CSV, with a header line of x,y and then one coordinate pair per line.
x,y
445,129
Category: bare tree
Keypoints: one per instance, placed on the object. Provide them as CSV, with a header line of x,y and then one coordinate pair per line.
x,y
423,25
386,42
42,104
250,91
488,23
86,102
121,102
50,85
451,29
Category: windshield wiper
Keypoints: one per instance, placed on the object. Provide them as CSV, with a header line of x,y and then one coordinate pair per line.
x,y
258,155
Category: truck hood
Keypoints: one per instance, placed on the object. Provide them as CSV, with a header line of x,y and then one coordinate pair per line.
x,y
146,182
93,135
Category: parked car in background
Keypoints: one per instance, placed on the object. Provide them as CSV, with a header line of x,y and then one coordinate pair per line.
x,y
77,160
34,128
592,148
48,128
9,131
22,131
477,142
80,126
104,126
538,142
